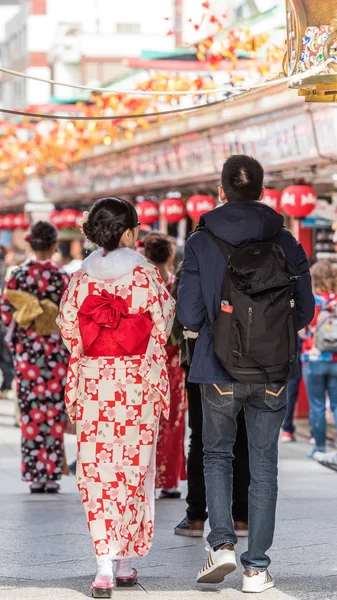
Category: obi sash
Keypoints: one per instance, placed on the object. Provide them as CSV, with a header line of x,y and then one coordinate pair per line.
x,y
32,312
108,329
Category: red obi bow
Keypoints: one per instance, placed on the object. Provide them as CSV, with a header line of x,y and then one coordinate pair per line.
x,y
107,328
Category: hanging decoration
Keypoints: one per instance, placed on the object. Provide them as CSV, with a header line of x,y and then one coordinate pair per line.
x,y
11,221
298,201
148,212
233,44
173,210
272,198
199,205
67,218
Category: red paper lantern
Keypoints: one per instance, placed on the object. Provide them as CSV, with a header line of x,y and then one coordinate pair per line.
x,y
298,200
1,222
173,209
148,212
199,205
56,219
69,216
8,222
272,198
79,220
20,221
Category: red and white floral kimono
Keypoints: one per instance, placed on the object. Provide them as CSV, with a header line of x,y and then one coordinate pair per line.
x,y
117,400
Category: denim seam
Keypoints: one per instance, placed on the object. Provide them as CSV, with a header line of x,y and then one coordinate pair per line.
x,y
259,569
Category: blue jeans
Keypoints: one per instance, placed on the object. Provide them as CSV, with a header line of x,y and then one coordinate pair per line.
x,y
265,408
320,378
292,393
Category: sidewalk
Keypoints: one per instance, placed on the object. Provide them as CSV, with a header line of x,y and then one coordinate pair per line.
x,y
46,552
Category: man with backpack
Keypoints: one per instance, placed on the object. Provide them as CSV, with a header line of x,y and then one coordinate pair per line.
x,y
246,289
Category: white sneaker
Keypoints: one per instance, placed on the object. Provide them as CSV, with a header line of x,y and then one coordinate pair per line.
x,y
326,458
217,566
257,583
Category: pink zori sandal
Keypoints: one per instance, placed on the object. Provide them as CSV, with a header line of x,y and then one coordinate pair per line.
x,y
127,581
102,587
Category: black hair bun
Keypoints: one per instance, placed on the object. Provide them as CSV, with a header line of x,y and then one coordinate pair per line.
x,y
108,219
157,248
43,236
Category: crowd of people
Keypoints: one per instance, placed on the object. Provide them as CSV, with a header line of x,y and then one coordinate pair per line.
x,y
115,348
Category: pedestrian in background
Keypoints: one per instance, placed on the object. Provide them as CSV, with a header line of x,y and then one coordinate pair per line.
x,y
115,319
29,308
170,449
320,351
211,297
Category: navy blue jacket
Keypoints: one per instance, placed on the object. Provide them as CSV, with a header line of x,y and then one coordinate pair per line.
x,y
204,269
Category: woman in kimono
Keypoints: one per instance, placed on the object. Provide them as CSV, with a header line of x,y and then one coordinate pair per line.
x,y
170,449
29,308
115,319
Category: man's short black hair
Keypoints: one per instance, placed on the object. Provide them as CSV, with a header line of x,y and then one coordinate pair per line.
x,y
242,178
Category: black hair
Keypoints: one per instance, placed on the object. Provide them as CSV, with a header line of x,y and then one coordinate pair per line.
x,y
242,178
42,236
108,219
157,248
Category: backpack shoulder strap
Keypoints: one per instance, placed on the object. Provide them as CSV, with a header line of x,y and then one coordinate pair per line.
x,y
224,247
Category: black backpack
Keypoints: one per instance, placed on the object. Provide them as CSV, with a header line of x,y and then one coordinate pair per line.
x,y
255,334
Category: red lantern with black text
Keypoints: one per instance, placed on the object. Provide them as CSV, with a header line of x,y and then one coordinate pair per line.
x,y
173,209
148,212
298,200
272,198
199,205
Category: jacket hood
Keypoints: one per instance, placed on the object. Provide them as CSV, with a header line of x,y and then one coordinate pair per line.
x,y
242,222
114,265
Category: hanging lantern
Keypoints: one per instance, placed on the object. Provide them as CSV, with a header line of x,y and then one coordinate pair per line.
x,y
69,216
272,198
148,212
298,200
1,222
199,205
56,219
8,222
173,209
20,221
79,220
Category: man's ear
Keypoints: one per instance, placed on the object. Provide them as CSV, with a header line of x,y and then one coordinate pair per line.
x,y
262,193
222,195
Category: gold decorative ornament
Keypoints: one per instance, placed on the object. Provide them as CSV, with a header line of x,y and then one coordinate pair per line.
x,y
312,49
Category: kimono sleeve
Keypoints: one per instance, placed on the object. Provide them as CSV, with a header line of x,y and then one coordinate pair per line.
x,y
6,308
161,307
68,315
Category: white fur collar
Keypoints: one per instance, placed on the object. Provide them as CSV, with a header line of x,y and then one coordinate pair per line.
x,y
114,265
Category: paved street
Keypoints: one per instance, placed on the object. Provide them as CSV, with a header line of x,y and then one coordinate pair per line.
x,y
46,552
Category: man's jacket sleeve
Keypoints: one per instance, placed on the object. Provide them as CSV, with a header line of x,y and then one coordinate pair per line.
x,y
191,309
304,299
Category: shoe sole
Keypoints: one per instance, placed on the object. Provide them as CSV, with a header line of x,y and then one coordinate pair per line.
x,y
241,534
265,587
101,592
188,533
127,582
217,574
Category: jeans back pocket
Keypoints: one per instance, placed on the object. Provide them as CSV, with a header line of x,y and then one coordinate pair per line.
x,y
219,394
276,395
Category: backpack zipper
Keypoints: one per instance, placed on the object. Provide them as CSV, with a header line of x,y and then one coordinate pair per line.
x,y
249,326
